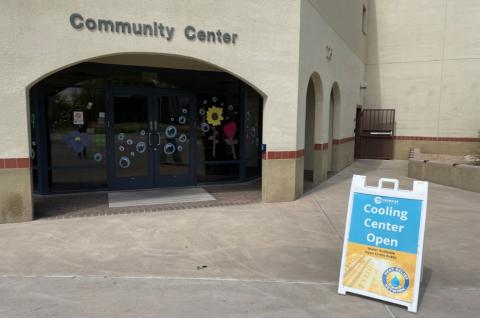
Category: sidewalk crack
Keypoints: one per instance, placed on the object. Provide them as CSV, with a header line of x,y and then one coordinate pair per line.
x,y
330,222
389,311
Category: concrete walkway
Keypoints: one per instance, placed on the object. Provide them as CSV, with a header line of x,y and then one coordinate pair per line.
x,y
258,260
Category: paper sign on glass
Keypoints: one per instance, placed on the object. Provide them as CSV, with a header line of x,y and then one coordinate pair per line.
x,y
78,118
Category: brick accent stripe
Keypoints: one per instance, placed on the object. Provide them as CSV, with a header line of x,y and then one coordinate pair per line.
x,y
15,163
270,155
343,141
321,146
457,139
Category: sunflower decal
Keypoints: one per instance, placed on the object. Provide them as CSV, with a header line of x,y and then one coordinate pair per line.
x,y
215,116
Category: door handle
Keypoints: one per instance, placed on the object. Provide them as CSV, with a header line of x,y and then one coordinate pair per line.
x,y
150,139
158,143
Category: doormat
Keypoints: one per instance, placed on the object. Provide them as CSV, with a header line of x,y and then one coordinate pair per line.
x,y
121,199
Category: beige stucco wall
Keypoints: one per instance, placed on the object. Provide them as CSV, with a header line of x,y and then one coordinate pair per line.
x,y
37,39
346,67
15,195
423,60
280,44
267,54
282,179
345,18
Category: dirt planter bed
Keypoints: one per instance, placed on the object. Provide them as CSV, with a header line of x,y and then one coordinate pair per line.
x,y
444,172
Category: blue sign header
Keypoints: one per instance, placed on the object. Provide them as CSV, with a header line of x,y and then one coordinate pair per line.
x,y
386,222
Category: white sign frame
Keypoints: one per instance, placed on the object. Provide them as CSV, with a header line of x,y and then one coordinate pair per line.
x,y
419,192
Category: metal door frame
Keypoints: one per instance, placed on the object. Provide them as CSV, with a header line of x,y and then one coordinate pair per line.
x,y
154,179
190,178
114,183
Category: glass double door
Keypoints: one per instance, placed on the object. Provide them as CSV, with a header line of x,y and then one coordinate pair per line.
x,y
150,138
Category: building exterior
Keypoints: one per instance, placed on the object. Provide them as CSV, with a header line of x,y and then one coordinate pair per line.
x,y
138,94
423,61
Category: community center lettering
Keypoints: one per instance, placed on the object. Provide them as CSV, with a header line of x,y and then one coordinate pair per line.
x,y
155,29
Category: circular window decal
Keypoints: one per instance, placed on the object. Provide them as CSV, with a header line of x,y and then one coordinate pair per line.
x,y
172,119
182,138
205,102
97,157
230,107
170,131
214,98
201,111
205,127
141,147
142,132
169,148
182,120
179,148
121,136
129,142
184,110
124,162
121,148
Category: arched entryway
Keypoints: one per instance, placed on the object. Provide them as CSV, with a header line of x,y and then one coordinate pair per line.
x,y
135,121
334,119
313,116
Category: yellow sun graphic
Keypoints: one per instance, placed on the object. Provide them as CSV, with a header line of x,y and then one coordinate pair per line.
x,y
215,116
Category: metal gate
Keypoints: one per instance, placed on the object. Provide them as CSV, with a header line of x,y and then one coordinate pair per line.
x,y
374,134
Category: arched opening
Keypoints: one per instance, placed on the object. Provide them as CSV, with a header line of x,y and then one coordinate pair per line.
x,y
313,117
334,116
135,121
309,133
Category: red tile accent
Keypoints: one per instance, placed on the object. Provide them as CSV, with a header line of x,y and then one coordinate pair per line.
x,y
13,163
289,154
343,141
321,146
23,162
10,163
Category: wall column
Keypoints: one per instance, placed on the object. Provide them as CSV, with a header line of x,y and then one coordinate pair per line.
x,y
282,175
15,190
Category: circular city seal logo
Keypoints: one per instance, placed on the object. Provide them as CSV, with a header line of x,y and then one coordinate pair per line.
x,y
395,280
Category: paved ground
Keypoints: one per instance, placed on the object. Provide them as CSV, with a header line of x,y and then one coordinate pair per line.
x,y
257,260
96,203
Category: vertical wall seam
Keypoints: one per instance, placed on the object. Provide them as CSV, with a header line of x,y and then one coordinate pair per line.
x,y
440,94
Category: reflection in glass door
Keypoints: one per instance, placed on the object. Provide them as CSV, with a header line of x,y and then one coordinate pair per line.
x,y
174,140
131,137
150,138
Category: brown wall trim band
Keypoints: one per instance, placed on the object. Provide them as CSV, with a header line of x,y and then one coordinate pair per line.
x,y
457,139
